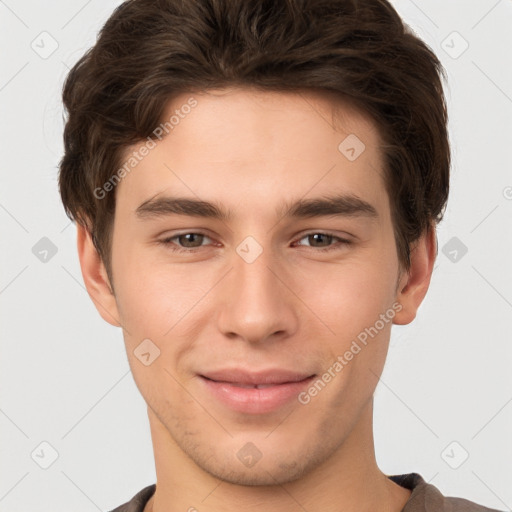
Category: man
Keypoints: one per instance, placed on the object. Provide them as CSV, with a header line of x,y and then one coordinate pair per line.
x,y
256,187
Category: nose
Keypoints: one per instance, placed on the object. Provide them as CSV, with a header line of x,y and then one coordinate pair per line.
x,y
258,302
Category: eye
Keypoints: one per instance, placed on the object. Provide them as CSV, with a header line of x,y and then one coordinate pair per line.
x,y
186,242
322,241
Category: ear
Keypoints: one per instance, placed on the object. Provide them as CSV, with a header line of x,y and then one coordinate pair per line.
x,y
95,277
414,284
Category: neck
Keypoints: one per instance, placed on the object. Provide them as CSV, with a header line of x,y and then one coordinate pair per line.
x,y
349,480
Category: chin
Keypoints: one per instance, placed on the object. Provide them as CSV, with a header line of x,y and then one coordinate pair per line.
x,y
277,465
268,475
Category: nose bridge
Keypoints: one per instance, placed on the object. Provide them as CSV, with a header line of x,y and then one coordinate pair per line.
x,y
258,305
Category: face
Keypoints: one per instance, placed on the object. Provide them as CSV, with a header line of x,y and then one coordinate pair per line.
x,y
257,320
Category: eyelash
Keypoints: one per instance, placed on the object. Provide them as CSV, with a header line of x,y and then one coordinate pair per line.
x,y
173,247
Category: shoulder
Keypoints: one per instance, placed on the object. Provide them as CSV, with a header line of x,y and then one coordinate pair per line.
x,y
138,502
426,497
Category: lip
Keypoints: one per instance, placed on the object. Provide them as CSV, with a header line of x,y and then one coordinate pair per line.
x,y
255,392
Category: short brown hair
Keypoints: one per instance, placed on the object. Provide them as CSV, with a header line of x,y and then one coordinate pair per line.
x,y
150,51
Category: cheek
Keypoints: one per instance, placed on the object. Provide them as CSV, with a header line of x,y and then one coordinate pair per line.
x,y
156,304
347,297
154,296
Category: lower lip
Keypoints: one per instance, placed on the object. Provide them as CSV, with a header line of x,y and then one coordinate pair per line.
x,y
253,400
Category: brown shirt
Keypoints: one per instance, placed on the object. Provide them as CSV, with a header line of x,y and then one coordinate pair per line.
x,y
424,498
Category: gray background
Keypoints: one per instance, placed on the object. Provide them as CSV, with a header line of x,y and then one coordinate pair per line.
x,y
446,391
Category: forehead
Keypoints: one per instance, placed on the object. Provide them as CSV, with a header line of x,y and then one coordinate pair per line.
x,y
231,108
225,143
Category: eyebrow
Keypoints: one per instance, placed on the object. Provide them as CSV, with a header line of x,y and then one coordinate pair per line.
x,y
347,205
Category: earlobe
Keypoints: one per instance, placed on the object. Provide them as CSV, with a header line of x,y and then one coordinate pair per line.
x,y
414,284
95,278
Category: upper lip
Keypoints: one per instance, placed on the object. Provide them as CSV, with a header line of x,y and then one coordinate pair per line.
x,y
244,377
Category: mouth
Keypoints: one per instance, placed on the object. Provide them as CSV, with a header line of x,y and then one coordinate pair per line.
x,y
250,386
256,392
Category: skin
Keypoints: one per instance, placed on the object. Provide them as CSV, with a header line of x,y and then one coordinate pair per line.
x,y
294,307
